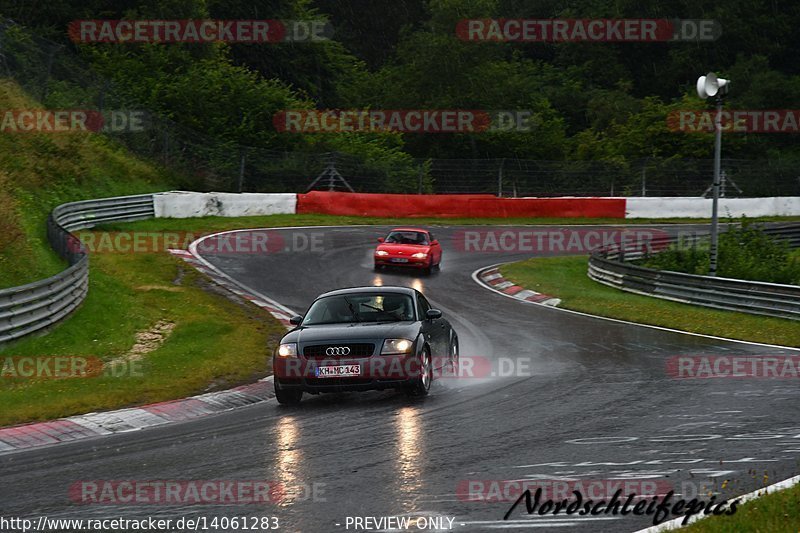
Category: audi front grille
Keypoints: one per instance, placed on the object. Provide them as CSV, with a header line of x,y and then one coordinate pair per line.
x,y
339,350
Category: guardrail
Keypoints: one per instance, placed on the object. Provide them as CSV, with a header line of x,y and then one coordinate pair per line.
x,y
786,232
30,308
609,267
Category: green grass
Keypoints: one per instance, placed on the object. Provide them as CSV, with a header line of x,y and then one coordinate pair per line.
x,y
215,344
39,171
565,278
774,513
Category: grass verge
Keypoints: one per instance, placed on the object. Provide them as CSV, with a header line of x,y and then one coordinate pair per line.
x,y
774,513
216,342
39,171
565,278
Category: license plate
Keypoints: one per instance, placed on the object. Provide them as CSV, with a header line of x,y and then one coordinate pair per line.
x,y
399,260
338,371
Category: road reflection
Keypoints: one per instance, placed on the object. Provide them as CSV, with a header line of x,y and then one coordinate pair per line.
x,y
288,460
409,457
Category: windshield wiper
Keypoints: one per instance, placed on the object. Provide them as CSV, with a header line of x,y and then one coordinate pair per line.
x,y
371,307
352,309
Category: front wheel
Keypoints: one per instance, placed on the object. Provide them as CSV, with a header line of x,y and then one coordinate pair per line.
x,y
287,396
421,386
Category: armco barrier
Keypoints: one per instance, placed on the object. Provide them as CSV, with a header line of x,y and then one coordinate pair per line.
x,y
456,205
608,266
35,306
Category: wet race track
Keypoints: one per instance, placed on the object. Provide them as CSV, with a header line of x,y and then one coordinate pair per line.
x,y
575,398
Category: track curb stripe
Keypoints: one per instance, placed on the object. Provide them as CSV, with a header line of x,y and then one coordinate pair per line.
x,y
493,280
38,434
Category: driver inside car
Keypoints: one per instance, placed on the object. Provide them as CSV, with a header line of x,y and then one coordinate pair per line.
x,y
398,307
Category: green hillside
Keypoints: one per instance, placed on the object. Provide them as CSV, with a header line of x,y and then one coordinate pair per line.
x,y
38,171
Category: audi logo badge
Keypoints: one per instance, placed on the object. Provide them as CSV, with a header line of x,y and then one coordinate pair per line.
x,y
338,350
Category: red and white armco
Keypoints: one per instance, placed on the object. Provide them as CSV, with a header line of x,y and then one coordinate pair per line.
x,y
408,247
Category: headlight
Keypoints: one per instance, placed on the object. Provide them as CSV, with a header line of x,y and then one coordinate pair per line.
x,y
420,255
391,346
381,252
287,350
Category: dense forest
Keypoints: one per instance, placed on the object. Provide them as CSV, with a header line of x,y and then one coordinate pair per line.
x,y
604,102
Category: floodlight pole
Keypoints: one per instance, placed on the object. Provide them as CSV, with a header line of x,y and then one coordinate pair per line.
x,y
712,267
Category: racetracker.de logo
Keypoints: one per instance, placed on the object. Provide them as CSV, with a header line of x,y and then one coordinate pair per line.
x,y
510,490
403,121
587,30
50,367
735,121
71,121
145,242
560,240
198,31
385,367
176,492
733,366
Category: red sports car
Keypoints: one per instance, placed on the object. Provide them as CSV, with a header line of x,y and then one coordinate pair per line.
x,y
408,247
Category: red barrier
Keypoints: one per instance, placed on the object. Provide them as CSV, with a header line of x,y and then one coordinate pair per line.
x,y
456,205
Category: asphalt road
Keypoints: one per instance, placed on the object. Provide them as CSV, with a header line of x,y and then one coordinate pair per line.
x,y
573,398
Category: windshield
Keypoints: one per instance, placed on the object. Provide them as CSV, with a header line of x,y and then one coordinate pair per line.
x,y
372,307
408,237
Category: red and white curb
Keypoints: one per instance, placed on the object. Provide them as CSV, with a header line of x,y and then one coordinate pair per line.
x,y
492,279
74,428
124,420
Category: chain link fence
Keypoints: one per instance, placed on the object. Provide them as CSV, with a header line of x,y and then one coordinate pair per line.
x,y
59,78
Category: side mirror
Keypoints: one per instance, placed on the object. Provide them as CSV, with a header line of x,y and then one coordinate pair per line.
x,y
380,239
434,242
433,314
295,320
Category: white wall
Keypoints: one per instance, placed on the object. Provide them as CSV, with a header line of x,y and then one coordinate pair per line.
x,y
182,204
695,207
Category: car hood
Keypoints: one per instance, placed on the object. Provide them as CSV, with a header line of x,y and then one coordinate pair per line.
x,y
404,248
353,331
